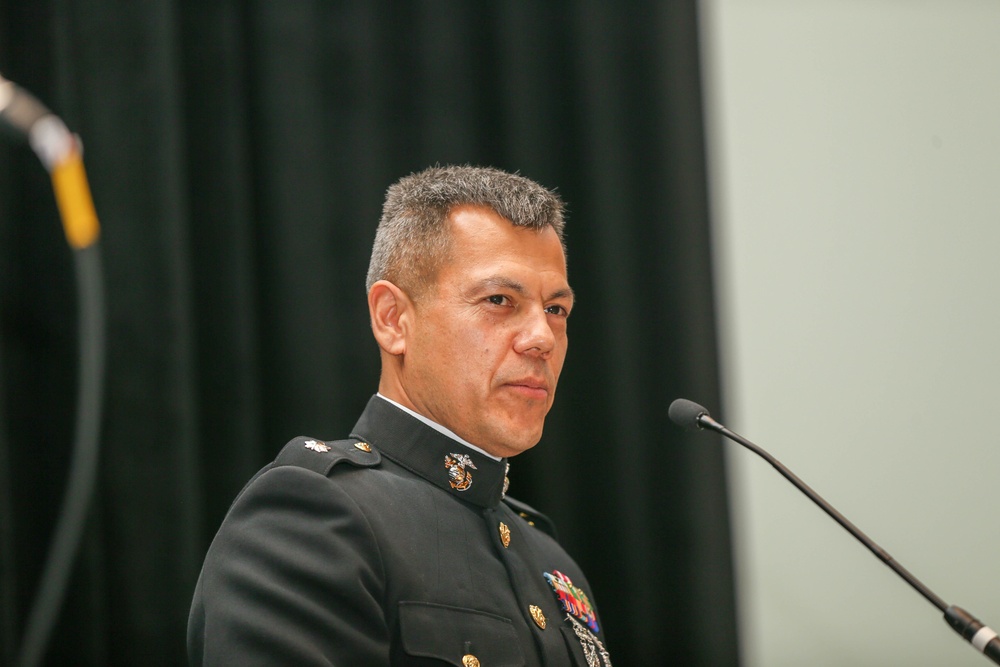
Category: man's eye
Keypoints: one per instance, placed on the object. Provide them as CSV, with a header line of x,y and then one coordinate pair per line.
x,y
497,299
557,310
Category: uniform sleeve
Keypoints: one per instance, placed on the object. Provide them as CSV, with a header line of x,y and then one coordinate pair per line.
x,y
292,578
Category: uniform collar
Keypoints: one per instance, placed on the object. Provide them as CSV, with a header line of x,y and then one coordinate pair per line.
x,y
446,463
437,427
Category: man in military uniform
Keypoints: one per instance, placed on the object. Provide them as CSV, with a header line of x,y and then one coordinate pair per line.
x,y
398,545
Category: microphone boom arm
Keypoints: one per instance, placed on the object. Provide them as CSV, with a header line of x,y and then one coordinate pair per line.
x,y
982,637
707,422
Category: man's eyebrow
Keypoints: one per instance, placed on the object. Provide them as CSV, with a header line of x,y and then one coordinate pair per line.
x,y
504,282
563,294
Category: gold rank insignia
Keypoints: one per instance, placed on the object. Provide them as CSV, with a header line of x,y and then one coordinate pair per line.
x,y
458,466
317,446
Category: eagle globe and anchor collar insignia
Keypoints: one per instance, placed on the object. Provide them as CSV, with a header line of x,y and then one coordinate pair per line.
x,y
427,452
460,467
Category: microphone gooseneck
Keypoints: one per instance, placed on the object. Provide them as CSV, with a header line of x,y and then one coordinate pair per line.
x,y
690,415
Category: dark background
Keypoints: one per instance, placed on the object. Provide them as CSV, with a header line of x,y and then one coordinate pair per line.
x,y
238,153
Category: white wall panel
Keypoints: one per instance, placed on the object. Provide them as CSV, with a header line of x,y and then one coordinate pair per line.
x,y
855,172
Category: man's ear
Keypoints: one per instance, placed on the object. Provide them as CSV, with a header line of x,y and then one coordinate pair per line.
x,y
390,310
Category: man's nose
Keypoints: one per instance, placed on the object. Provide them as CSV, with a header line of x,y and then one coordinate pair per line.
x,y
536,337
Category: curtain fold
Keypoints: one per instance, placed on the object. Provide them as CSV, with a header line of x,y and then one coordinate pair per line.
x,y
238,152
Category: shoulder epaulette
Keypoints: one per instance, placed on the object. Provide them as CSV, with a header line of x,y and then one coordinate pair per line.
x,y
321,456
532,516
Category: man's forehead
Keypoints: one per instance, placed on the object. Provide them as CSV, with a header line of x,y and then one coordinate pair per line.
x,y
484,246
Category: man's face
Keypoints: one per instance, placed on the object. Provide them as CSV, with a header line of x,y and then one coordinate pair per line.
x,y
488,339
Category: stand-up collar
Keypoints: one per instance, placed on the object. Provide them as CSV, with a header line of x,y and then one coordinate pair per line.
x,y
440,460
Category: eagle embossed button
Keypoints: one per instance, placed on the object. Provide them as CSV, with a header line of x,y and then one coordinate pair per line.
x,y
469,660
504,534
537,616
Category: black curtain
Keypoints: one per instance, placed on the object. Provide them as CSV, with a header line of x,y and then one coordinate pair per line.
x,y
237,153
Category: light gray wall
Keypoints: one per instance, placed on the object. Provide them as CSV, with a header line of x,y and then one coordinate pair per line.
x,y
855,170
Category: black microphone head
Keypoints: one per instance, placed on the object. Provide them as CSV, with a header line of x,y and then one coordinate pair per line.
x,y
686,413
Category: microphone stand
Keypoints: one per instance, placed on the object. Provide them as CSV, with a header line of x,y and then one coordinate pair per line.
x,y
982,637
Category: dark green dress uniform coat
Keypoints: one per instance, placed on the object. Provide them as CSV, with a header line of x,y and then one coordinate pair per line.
x,y
395,547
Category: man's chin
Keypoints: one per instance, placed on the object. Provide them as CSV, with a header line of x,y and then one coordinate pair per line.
x,y
508,447
520,449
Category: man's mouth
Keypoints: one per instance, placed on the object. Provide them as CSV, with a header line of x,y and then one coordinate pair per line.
x,y
534,388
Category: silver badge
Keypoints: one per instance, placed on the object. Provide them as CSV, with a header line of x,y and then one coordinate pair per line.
x,y
458,466
593,649
317,446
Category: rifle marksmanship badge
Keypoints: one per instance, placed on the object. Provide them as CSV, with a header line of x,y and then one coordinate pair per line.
x,y
593,650
458,466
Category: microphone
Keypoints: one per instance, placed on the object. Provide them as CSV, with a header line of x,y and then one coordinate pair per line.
x,y
690,415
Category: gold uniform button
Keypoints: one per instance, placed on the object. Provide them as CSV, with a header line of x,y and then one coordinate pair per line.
x,y
363,446
537,616
504,534
469,660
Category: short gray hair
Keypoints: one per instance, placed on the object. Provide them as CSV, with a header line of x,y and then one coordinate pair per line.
x,y
413,239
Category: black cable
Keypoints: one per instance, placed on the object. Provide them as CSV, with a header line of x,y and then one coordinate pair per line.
x,y
60,152
83,465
